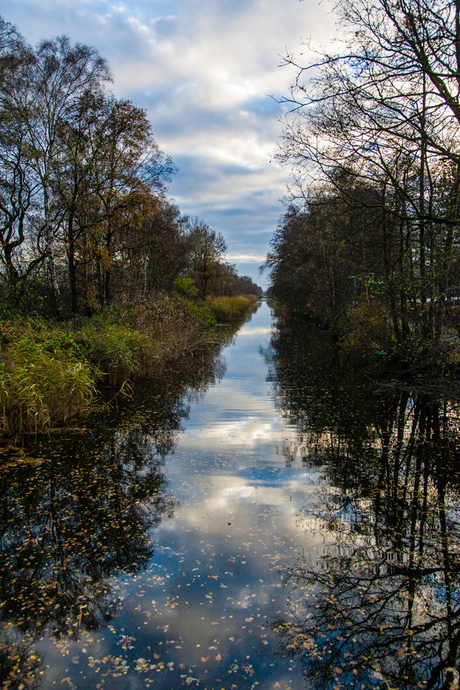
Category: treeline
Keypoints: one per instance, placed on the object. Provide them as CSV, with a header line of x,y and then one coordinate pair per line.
x,y
370,240
84,216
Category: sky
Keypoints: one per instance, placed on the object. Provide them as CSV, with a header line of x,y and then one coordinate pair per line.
x,y
208,73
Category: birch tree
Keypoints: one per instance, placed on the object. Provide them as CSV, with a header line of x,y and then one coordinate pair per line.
x,y
44,98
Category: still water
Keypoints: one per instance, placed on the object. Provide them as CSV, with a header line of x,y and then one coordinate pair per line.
x,y
264,519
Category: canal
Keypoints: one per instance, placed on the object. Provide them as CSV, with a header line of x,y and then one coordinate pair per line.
x,y
267,518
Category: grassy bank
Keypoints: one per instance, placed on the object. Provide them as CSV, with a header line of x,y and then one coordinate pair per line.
x,y
231,309
50,372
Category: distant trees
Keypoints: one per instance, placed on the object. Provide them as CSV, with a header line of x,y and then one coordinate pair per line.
x,y
207,249
207,267
328,255
244,285
374,148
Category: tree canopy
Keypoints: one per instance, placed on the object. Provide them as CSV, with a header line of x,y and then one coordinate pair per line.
x,y
84,212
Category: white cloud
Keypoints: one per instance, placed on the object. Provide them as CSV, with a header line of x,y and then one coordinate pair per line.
x,y
246,258
203,70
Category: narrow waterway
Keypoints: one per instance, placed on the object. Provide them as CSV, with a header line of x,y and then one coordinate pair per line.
x,y
263,521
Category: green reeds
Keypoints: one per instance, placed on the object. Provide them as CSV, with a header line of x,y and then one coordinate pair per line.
x,y
118,352
41,386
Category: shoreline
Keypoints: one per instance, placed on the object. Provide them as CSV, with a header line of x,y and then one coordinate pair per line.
x,y
53,372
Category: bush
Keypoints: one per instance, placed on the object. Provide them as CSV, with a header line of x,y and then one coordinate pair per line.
x,y
202,313
367,329
186,286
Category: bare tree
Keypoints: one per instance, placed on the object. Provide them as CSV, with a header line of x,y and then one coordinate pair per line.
x,y
384,109
17,187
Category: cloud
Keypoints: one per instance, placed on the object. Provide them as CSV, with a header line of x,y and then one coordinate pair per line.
x,y
246,258
204,71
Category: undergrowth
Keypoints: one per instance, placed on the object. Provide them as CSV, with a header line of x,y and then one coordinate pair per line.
x,y
50,372
367,334
229,309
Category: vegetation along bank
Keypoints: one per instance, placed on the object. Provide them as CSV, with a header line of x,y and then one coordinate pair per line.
x,y
52,371
370,239
102,279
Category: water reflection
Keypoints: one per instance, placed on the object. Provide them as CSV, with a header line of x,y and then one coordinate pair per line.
x,y
380,607
77,508
145,550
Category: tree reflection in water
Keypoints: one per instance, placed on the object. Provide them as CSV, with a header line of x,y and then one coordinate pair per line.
x,y
77,508
381,607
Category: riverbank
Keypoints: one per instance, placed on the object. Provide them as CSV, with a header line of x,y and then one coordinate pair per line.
x,y
50,372
363,336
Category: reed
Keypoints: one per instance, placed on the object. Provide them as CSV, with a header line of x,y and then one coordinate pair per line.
x,y
229,309
41,386
118,352
50,372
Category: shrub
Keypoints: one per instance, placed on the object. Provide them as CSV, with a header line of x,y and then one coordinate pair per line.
x,y
367,329
186,286
202,314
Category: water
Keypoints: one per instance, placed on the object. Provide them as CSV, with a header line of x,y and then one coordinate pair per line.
x,y
262,519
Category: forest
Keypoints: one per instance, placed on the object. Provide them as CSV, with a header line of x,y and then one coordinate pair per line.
x,y
84,212
369,242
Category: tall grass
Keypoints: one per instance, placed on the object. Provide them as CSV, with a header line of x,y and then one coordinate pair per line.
x,y
50,372
229,309
40,386
117,351
173,324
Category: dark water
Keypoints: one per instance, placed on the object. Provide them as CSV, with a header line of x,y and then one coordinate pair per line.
x,y
261,519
